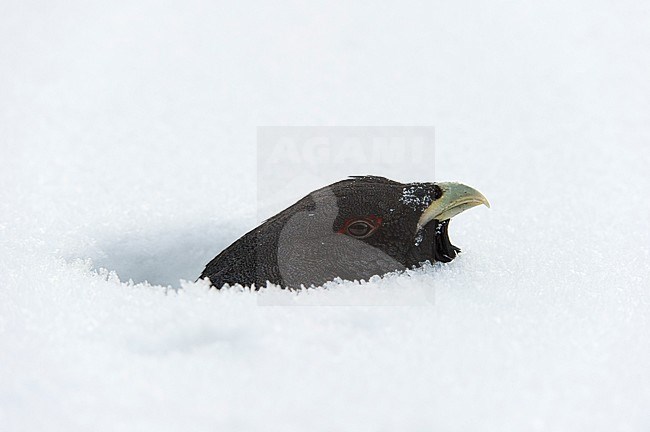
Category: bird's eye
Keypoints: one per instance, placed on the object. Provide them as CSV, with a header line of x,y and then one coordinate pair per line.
x,y
360,229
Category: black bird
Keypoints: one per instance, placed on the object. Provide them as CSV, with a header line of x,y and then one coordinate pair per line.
x,y
353,229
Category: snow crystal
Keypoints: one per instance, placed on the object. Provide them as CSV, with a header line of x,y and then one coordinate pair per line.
x,y
417,196
419,236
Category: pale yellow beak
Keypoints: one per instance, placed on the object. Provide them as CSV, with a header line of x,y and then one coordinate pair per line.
x,y
455,199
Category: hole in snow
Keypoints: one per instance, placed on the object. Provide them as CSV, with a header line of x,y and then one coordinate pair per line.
x,y
162,257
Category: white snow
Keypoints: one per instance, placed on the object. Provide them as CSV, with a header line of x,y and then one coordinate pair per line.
x,y
416,197
127,132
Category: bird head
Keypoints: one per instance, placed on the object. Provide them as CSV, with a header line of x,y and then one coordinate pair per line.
x,y
353,229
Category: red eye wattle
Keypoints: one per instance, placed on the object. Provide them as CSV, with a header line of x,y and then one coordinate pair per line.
x,y
361,228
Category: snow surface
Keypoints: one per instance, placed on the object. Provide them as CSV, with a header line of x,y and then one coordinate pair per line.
x,y
128,143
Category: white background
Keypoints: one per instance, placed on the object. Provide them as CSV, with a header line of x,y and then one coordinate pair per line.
x,y
293,161
128,131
